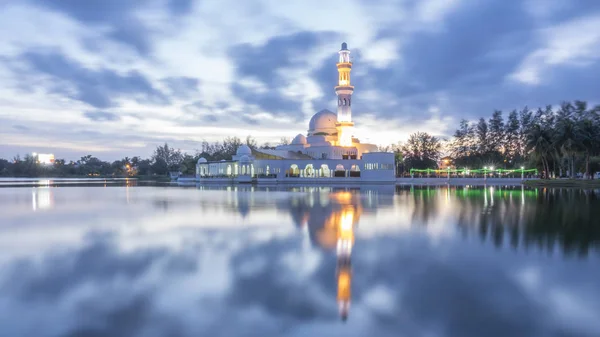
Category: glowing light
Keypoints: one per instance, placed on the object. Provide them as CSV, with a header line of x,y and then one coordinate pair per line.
x,y
44,158
343,82
346,224
345,138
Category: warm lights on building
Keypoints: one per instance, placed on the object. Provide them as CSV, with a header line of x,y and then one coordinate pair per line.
x,y
344,91
44,158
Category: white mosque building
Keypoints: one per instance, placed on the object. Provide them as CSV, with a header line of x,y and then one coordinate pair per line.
x,y
327,153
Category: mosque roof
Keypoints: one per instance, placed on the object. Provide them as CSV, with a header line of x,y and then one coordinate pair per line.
x,y
322,120
283,154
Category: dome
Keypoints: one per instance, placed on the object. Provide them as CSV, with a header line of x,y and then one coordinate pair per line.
x,y
299,140
202,160
244,159
243,150
323,122
318,141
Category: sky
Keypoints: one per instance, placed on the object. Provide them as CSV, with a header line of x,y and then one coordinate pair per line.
x,y
116,78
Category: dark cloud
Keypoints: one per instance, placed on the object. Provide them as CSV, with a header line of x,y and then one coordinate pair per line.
x,y
21,127
249,120
210,118
101,116
182,87
272,101
263,62
118,15
99,88
180,7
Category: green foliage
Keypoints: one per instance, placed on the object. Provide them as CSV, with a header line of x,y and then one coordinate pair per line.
x,y
556,142
421,151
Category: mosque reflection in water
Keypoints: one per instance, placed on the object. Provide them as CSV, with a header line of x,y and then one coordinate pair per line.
x,y
331,220
338,233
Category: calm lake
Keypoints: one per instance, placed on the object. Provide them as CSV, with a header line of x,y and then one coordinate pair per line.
x,y
162,260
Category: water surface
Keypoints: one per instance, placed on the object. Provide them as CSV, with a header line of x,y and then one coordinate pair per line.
x,y
246,261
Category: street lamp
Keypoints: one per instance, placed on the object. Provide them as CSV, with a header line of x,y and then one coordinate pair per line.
x,y
485,168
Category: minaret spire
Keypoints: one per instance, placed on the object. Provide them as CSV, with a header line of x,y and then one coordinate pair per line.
x,y
344,92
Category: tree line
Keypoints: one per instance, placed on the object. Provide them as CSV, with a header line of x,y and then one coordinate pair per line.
x,y
164,159
559,142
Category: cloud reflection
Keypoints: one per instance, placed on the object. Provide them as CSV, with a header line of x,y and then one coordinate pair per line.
x,y
249,280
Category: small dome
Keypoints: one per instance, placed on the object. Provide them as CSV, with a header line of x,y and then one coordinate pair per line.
x,y
323,122
244,159
299,140
202,160
243,150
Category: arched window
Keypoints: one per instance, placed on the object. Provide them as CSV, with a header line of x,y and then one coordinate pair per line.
x,y
349,101
344,101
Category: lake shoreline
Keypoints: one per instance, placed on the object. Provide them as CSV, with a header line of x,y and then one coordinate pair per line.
x,y
572,183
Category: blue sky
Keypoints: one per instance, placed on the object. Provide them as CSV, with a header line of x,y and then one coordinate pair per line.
x,y
116,78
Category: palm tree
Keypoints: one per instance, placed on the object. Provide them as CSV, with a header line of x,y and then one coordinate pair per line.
x,y
539,144
566,135
588,131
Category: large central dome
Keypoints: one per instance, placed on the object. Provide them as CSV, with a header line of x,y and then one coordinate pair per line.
x,y
322,123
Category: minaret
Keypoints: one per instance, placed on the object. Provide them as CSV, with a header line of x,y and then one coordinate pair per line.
x,y
344,94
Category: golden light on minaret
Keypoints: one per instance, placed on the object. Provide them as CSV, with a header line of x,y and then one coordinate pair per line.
x,y
344,91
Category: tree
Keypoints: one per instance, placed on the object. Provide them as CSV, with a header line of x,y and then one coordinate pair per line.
x,y
496,136
566,138
166,159
460,145
525,121
588,133
188,164
144,167
511,137
251,142
421,151
284,141
481,131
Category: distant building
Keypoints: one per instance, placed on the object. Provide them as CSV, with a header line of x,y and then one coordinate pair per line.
x,y
44,158
328,151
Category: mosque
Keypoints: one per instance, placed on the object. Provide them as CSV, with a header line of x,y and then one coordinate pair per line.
x,y
327,153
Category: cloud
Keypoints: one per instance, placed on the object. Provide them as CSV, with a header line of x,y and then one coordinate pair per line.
x,y
120,16
269,65
20,127
100,88
99,116
562,45
182,87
